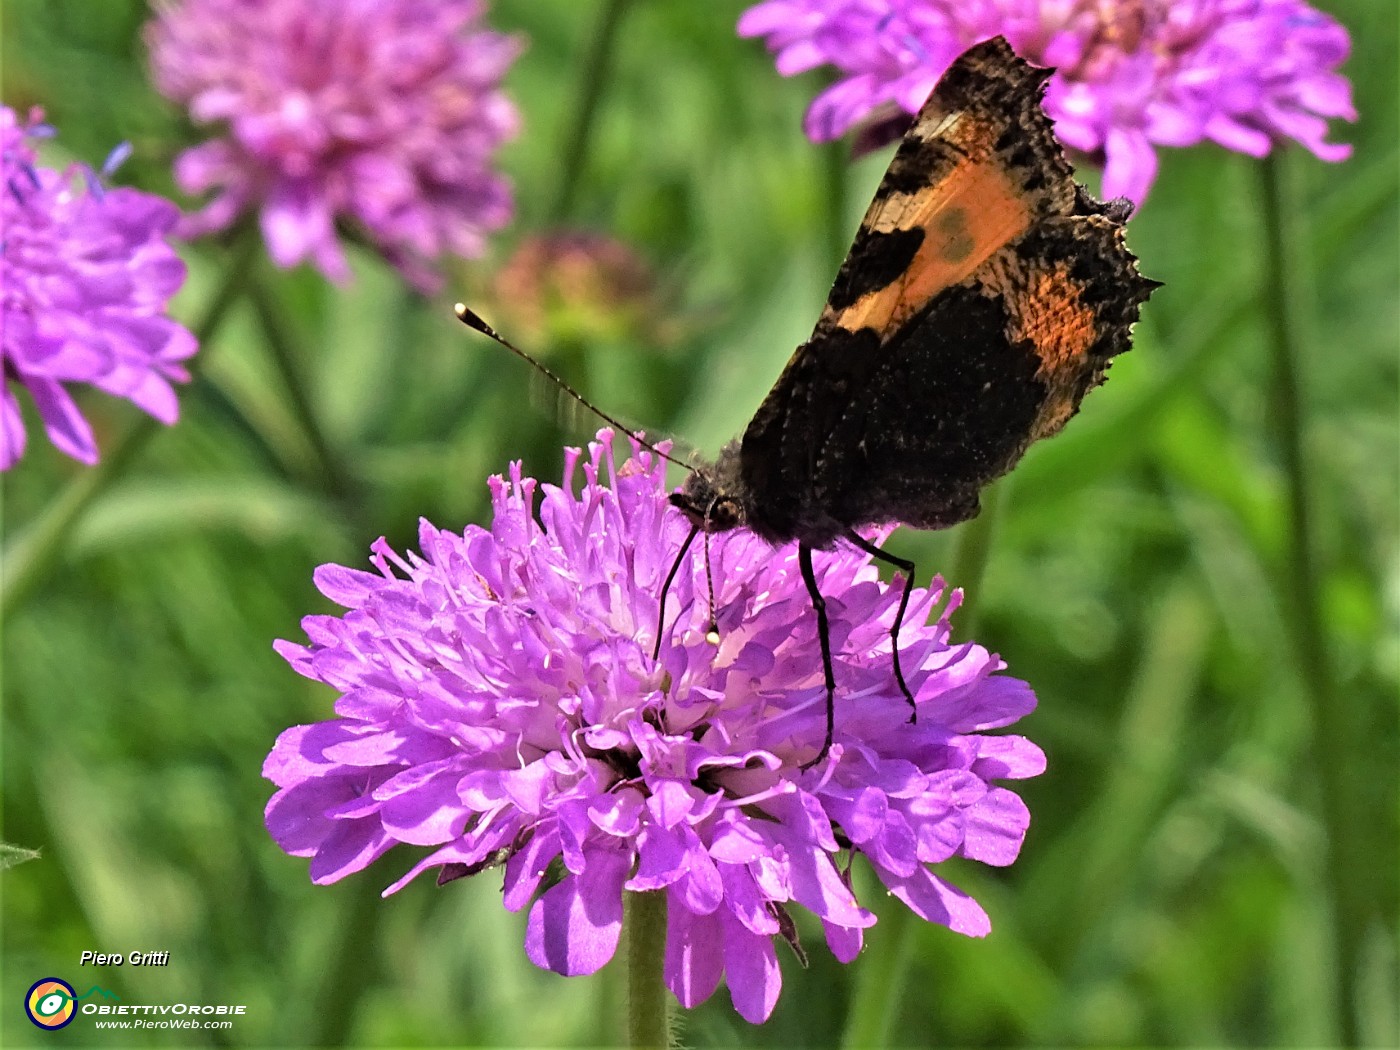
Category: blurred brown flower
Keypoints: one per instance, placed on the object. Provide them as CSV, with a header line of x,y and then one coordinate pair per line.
x,y
577,287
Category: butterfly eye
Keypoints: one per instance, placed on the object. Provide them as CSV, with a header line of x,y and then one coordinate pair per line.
x,y
725,513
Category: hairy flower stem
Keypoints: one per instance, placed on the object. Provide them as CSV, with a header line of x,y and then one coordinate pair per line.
x,y
1333,739
597,65
30,556
882,971
648,1022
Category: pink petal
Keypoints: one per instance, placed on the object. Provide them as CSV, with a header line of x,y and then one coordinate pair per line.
x,y
12,436
694,959
573,929
64,424
751,970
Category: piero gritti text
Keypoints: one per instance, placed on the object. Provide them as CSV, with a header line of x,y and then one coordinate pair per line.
x,y
89,958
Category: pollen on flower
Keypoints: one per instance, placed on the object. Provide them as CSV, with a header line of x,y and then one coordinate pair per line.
x,y
553,733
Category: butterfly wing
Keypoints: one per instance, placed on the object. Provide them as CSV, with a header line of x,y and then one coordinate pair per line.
x,y
978,167
983,296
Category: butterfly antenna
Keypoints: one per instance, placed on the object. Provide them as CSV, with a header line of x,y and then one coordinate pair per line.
x,y
472,320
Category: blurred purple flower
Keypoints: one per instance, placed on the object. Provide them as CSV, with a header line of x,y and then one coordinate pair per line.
x,y
382,112
500,703
1131,75
86,276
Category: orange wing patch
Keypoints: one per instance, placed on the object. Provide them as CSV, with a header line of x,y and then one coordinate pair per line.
x,y
974,212
1069,293
1052,318
978,169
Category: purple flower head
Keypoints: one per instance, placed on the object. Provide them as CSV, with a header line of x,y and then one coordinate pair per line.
x,y
85,279
1132,75
500,704
384,113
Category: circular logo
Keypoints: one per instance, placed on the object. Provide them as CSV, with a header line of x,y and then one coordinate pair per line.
x,y
49,1003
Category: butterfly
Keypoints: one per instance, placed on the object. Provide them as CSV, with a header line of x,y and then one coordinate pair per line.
x,y
985,294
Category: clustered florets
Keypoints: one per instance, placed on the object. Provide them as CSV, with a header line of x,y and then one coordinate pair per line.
x,y
1131,76
87,275
383,114
500,704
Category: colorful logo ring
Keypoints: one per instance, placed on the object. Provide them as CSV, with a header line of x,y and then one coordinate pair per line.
x,y
50,1003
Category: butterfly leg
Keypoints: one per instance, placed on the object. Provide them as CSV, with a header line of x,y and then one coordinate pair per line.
x,y
804,561
905,566
666,587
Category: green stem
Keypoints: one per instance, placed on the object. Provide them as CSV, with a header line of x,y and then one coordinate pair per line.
x,y
648,1021
30,556
287,358
351,966
597,64
882,972
1333,741
836,163
973,552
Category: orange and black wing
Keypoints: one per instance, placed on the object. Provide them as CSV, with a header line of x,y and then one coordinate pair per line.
x,y
983,297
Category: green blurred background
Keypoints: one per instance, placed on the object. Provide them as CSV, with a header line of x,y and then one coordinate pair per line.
x,y
1212,858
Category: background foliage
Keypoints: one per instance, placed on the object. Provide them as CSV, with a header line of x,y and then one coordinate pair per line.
x,y
1175,887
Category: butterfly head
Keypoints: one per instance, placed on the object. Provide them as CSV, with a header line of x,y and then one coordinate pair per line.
x,y
713,497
